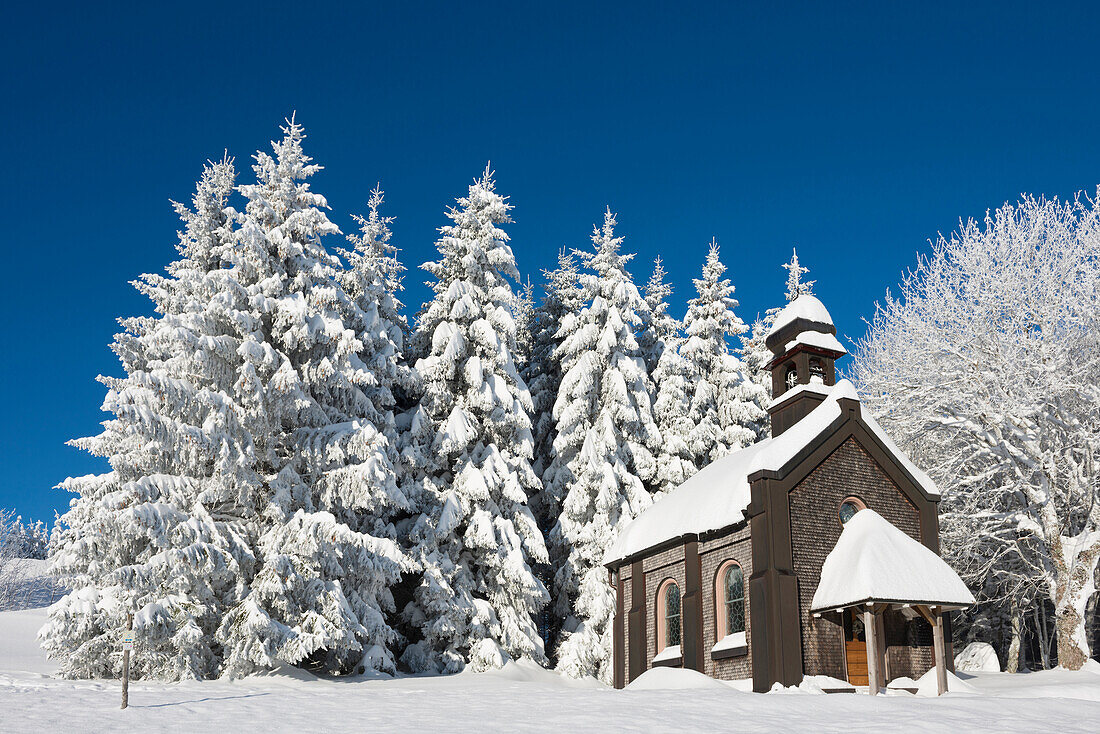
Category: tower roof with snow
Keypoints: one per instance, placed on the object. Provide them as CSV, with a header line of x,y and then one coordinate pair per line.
x,y
876,562
805,323
805,307
719,494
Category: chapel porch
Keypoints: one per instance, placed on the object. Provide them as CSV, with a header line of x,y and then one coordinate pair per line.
x,y
874,570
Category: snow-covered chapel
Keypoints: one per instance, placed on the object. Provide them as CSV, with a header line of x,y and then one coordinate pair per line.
x,y
812,552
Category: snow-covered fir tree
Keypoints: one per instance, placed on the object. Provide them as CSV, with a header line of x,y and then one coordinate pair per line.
x,y
605,450
372,470
523,313
671,384
657,325
164,534
562,297
319,419
470,444
543,376
755,355
373,279
725,403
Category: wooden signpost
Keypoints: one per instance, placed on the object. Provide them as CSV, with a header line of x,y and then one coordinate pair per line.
x,y
127,646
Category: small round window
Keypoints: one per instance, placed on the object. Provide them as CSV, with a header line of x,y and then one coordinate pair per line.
x,y
849,508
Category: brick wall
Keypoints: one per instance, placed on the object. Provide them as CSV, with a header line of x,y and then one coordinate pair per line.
x,y
712,554
669,564
815,528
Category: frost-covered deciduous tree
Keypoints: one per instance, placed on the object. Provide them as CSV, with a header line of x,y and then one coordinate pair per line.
x,y
605,450
12,571
165,533
671,386
19,542
24,539
319,417
987,370
755,355
470,445
725,403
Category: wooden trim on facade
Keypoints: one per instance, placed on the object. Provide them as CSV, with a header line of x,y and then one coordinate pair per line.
x,y
637,622
617,653
692,608
730,652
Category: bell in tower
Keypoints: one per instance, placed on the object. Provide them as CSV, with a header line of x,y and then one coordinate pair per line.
x,y
803,340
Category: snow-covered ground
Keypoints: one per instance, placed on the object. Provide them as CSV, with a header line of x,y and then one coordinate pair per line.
x,y
518,699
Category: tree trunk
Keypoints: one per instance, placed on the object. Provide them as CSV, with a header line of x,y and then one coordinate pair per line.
x,y
1075,560
1012,662
1043,632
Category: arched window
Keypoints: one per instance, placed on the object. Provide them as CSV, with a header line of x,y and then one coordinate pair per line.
x,y
729,593
849,507
817,371
792,377
668,615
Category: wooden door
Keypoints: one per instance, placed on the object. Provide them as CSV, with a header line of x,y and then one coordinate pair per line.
x,y
855,648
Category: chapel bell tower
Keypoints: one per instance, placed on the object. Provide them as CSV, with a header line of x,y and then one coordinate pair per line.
x,y
805,346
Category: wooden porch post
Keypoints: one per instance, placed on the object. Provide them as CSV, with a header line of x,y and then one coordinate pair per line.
x,y
941,665
872,649
880,637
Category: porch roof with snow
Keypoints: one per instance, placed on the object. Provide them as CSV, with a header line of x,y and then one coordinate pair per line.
x,y
874,562
717,496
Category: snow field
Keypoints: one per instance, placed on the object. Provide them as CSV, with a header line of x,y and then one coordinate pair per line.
x,y
520,698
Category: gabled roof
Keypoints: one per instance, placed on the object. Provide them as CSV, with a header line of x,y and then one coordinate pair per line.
x,y
717,496
876,562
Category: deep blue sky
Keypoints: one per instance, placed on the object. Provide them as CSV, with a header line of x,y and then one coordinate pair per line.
x,y
855,133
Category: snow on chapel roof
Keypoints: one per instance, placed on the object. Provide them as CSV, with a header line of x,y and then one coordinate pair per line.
x,y
804,307
874,561
717,495
714,497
